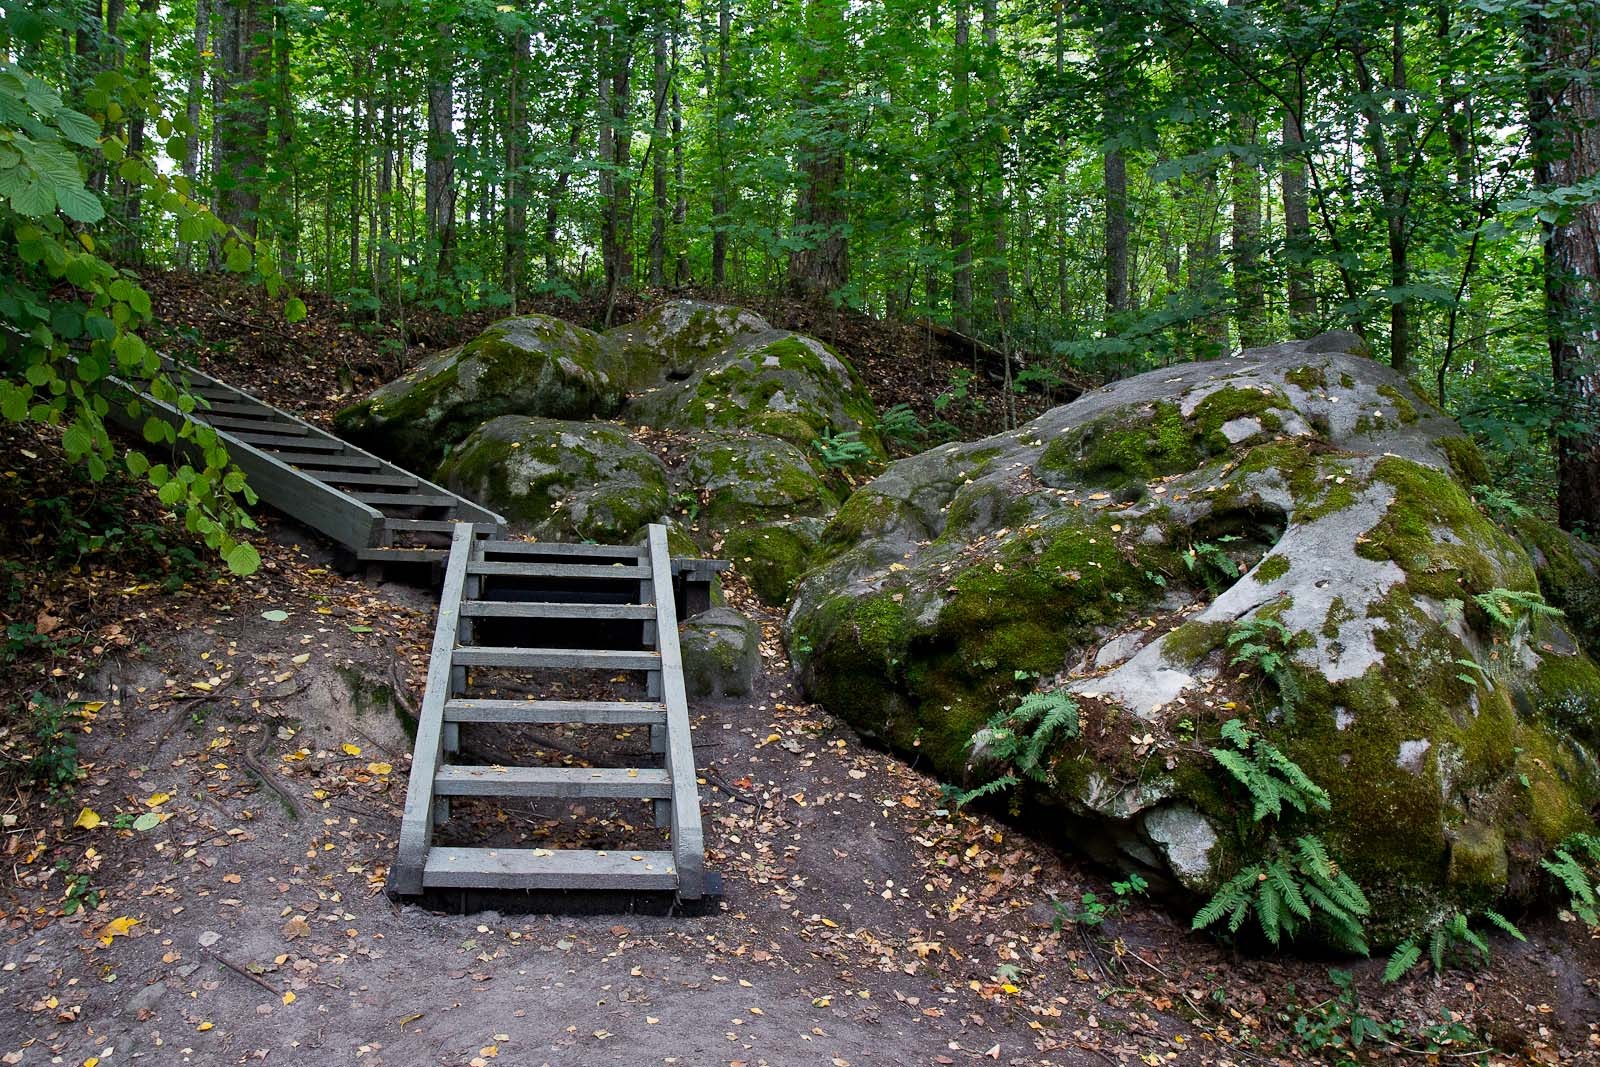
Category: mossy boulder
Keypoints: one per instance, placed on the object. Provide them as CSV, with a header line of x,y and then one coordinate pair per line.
x,y
777,383
678,337
743,478
721,654
529,365
1119,547
559,480
772,557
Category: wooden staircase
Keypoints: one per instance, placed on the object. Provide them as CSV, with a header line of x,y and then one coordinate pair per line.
x,y
380,512
502,591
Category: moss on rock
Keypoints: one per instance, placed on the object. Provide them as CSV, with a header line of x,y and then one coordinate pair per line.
x,y
771,558
529,365
560,480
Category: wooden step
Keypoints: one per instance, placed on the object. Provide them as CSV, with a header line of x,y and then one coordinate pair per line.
x,y
558,570
226,407
528,868
231,422
410,500
608,660
401,481
513,609
556,712
401,555
559,548
647,783
310,461
287,440
420,525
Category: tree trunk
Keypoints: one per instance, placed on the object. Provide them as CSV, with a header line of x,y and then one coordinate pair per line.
x,y
1297,218
722,184
995,207
439,195
1564,113
1115,170
659,204
242,119
516,190
822,264
960,179
289,159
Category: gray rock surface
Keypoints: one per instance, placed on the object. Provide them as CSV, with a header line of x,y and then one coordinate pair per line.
x,y
721,654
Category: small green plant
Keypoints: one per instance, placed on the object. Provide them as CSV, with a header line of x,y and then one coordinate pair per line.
x,y
1021,737
689,504
842,450
80,895
1575,864
1471,672
1210,562
960,392
1289,889
899,425
1266,644
1338,1025
1501,506
1446,935
53,762
1510,608
1092,910
1271,778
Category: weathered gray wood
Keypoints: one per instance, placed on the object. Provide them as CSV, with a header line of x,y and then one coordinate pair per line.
x,y
251,425
288,441
416,825
527,868
402,481
561,570
560,548
688,840
234,407
464,781
328,461
421,525
409,500
556,712
512,609
386,554
557,657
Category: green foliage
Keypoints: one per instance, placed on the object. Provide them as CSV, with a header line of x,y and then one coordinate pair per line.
x,y
1575,866
1501,505
1288,890
1271,779
53,749
1021,738
1266,644
842,449
73,317
80,894
1091,910
900,426
1337,1029
1511,608
1446,935
1210,562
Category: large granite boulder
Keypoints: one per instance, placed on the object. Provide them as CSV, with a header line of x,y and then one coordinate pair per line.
x,y
529,365
678,337
560,481
776,383
1145,551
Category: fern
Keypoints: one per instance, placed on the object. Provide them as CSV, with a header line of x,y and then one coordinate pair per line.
x,y
1022,737
1575,864
1509,608
1266,644
1448,934
1271,778
1290,890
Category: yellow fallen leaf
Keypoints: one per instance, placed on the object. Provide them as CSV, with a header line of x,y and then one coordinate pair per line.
x,y
88,819
304,657
380,768
93,706
118,927
1009,988
350,750
830,923
288,997
203,1027
155,800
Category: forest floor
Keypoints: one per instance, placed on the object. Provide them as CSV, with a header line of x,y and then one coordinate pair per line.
x,y
201,806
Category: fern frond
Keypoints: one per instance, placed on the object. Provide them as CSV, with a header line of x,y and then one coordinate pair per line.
x,y
1269,911
1436,946
1503,923
1402,959
1314,856
1279,876
1225,899
1004,782
1234,730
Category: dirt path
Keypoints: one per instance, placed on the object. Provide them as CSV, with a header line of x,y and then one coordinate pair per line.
x,y
863,922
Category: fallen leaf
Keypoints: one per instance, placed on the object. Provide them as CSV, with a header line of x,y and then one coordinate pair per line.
x,y
88,819
350,750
